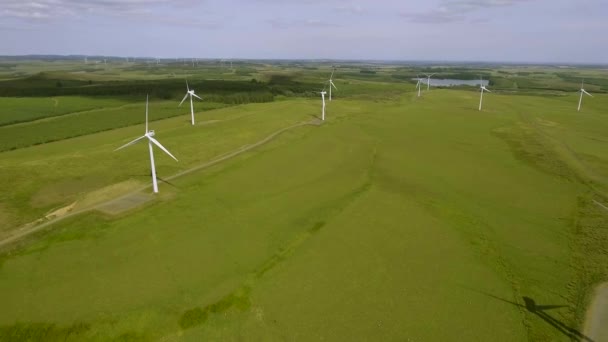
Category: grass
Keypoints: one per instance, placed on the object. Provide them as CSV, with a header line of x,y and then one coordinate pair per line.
x,y
399,218
40,179
16,110
81,123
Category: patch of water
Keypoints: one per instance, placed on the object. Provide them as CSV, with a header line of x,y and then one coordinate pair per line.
x,y
453,82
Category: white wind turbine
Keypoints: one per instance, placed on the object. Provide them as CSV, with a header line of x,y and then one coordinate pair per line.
x,y
331,83
419,84
583,91
150,136
483,88
428,81
191,93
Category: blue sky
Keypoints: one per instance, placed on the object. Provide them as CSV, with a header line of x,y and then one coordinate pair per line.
x,y
459,30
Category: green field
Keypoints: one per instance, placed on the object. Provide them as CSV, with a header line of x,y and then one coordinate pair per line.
x,y
399,218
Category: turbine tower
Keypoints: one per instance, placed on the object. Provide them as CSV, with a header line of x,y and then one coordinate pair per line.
x,y
331,83
428,81
419,84
151,141
191,93
483,88
323,99
582,91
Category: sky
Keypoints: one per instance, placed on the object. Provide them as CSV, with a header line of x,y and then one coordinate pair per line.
x,y
553,31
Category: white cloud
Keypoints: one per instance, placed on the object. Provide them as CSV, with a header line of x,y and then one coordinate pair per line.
x,y
307,23
56,9
349,9
456,10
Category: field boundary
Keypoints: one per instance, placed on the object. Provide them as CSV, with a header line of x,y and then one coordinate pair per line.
x,y
31,228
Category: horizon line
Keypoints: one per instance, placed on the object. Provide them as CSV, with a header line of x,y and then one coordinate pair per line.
x,y
372,60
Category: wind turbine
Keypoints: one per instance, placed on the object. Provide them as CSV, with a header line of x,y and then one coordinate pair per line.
x,y
191,93
419,84
583,91
150,136
428,82
483,88
323,98
331,83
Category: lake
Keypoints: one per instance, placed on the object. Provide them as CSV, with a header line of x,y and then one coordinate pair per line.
x,y
452,82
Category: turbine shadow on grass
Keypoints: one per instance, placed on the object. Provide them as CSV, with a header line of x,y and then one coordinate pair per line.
x,y
314,116
158,179
540,311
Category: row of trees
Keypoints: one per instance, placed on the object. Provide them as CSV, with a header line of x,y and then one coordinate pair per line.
x,y
221,91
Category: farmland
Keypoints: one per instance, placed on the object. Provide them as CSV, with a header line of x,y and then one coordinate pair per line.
x,y
399,218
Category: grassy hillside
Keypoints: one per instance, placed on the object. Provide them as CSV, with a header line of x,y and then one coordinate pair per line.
x,y
397,219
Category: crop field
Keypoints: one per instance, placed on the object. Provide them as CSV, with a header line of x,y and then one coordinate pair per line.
x,y
86,122
398,218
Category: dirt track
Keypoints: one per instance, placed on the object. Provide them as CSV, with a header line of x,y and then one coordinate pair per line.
x,y
596,320
29,229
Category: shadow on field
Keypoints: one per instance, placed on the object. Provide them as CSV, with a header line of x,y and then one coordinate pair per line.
x,y
540,311
158,179
314,116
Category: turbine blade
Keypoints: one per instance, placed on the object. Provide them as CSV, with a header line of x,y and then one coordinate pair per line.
x,y
187,87
185,97
486,89
155,142
196,96
584,91
130,143
333,85
332,74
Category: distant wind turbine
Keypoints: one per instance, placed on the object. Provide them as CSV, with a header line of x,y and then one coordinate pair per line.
x,y
583,91
483,88
331,83
151,141
191,93
419,84
428,81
